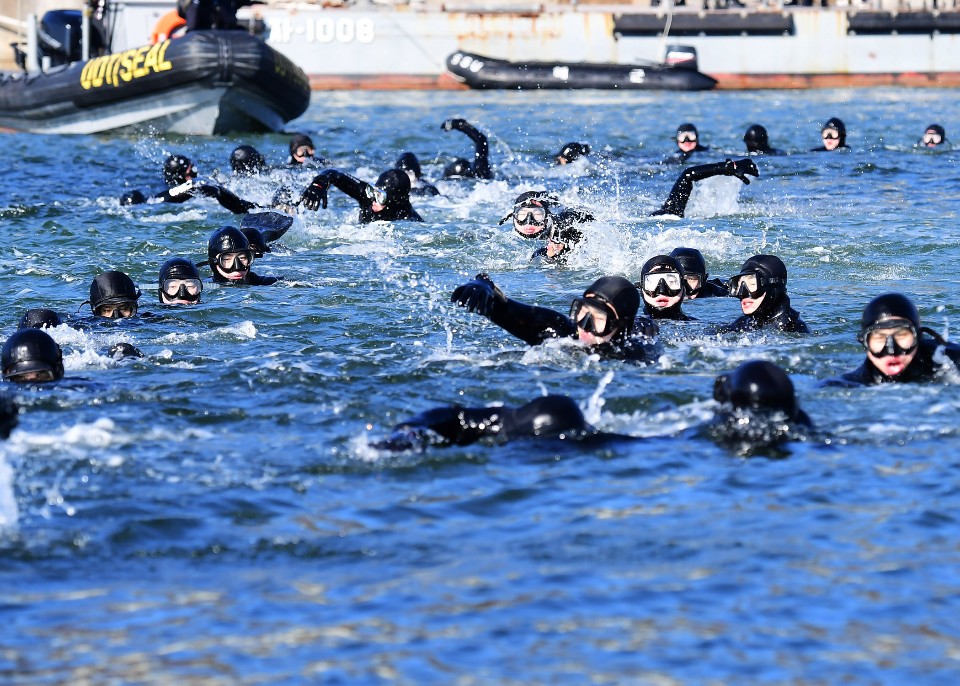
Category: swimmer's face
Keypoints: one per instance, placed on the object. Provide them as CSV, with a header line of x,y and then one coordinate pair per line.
x,y
693,285
303,153
687,141
117,311
596,323
830,138
891,365
234,265
891,346
932,138
39,376
180,291
530,220
750,305
661,301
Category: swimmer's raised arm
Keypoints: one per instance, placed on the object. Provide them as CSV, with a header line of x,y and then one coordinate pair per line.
x,y
676,202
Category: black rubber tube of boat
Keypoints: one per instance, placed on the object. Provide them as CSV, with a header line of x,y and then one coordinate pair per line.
x,y
205,57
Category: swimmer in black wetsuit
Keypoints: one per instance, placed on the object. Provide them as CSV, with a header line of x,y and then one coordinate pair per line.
x,y
688,143
31,356
758,408
757,141
302,151
897,350
539,215
113,295
604,319
761,286
572,151
180,175
551,416
662,287
935,136
246,160
676,202
230,257
461,168
40,318
833,135
695,275
179,282
387,200
408,163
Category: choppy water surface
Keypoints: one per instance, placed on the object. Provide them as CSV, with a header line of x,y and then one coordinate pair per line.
x,y
213,513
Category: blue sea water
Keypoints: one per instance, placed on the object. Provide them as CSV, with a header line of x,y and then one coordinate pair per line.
x,y
214,512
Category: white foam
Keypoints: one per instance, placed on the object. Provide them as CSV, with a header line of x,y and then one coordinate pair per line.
x,y
9,513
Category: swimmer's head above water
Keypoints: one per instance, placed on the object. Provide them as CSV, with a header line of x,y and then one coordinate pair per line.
x,y
607,310
31,356
245,160
761,285
758,407
834,134
934,136
179,282
301,149
531,214
229,254
662,282
890,333
694,269
572,151
113,295
177,170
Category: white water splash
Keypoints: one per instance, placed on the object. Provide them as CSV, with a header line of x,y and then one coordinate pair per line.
x,y
8,503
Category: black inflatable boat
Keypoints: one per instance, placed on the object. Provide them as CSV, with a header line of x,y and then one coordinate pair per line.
x,y
478,71
206,82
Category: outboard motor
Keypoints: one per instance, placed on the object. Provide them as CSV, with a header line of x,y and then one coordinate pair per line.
x,y
681,57
60,39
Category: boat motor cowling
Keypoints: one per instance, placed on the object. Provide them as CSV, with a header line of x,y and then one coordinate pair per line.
x,y
60,37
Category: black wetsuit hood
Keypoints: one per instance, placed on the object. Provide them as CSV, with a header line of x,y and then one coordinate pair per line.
x,y
692,262
756,139
112,288
458,169
758,406
622,295
31,350
771,268
396,183
299,140
572,151
39,318
663,263
176,168
245,160
549,416
178,268
225,239
408,162
835,123
257,242
889,306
